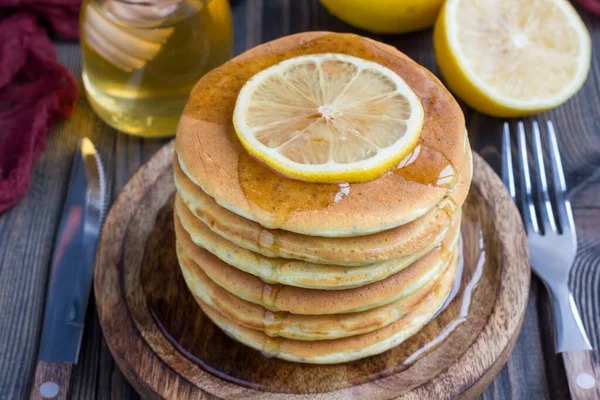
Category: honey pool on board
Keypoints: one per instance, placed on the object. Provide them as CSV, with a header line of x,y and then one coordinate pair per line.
x,y
139,67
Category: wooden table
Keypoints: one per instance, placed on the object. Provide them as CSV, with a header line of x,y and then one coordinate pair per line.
x,y
28,230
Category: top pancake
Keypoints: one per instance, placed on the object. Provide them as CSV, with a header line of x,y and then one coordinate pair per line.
x,y
404,240
213,158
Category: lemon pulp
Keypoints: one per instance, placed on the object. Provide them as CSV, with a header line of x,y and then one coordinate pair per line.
x,y
511,58
328,118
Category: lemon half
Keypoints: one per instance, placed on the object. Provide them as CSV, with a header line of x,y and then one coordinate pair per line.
x,y
512,57
386,16
328,118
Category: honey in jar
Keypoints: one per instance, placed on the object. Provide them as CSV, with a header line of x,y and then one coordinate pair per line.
x,y
141,59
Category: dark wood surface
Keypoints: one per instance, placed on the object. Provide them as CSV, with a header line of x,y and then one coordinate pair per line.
x,y
28,230
159,336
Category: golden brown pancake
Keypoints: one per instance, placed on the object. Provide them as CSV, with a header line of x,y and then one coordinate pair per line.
x,y
344,349
295,326
403,241
296,272
213,158
276,297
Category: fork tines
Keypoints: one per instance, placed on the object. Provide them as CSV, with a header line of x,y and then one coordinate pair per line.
x,y
543,214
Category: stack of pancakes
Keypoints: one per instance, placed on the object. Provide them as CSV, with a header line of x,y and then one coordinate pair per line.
x,y
312,272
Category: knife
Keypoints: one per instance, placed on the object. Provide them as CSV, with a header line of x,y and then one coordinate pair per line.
x,y
71,275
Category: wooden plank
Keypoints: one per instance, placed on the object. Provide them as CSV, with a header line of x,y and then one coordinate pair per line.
x,y
254,9
86,371
27,235
587,192
585,276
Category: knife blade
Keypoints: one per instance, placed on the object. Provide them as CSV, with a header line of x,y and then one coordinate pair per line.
x,y
71,274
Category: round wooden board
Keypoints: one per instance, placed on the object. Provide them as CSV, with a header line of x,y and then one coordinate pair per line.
x,y
134,277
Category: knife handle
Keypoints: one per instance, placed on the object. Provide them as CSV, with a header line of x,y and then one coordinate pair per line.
x,y
583,374
52,380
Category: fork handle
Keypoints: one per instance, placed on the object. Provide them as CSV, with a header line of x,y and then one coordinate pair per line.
x,y
582,364
583,374
569,333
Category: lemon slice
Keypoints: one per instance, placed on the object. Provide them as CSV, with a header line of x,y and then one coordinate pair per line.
x,y
328,118
512,57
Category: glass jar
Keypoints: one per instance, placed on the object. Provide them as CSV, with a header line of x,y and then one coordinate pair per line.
x,y
142,59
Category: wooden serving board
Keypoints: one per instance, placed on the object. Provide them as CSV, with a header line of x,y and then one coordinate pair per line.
x,y
167,348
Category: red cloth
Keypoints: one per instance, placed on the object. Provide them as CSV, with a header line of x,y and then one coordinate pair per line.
x,y
62,15
34,88
592,6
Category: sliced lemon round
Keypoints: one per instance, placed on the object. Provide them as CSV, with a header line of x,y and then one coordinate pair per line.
x,y
328,118
513,57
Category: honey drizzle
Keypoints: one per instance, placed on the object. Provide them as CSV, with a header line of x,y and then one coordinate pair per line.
x,y
266,240
271,323
269,295
445,252
281,197
448,206
271,347
427,166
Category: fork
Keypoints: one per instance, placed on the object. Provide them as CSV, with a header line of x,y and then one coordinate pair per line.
x,y
552,242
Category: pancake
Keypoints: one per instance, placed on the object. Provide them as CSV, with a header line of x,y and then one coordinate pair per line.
x,y
296,272
296,300
295,326
213,158
344,349
402,241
